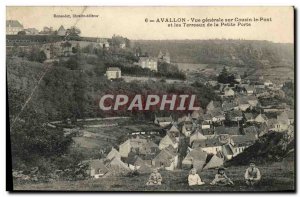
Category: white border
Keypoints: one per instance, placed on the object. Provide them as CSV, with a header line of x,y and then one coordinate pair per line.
x,y
5,3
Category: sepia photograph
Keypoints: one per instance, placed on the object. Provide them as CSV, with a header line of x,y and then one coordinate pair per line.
x,y
150,98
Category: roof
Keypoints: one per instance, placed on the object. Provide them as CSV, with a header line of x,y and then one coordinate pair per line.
x,y
243,140
226,106
173,129
116,166
172,138
228,149
166,155
148,59
32,29
97,164
234,114
251,130
197,136
214,162
61,28
185,118
289,114
237,76
243,100
206,117
216,112
113,153
225,89
208,132
164,119
227,130
211,142
214,104
113,69
196,114
13,23
196,154
188,126
249,116
249,88
263,116
272,122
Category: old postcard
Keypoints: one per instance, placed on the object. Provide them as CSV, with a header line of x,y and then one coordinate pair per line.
x,y
168,99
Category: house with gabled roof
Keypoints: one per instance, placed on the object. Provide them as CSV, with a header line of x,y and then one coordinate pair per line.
x,y
212,105
227,92
286,117
208,132
228,151
117,167
61,31
210,145
229,106
196,158
218,116
250,90
166,159
185,119
275,125
261,118
96,168
249,117
163,121
113,153
237,78
234,116
205,124
252,100
173,130
196,114
187,129
251,131
13,27
113,73
243,103
137,145
240,143
136,163
167,141
207,118
197,136
221,130
148,62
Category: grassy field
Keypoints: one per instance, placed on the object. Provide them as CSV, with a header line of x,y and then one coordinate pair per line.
x,y
103,138
275,177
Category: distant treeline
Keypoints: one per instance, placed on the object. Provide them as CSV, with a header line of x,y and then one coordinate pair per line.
x,y
227,52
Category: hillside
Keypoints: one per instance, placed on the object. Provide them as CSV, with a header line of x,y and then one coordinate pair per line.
x,y
271,147
275,177
272,60
74,93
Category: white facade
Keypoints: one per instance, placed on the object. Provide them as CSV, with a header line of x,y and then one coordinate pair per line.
x,y
150,63
113,73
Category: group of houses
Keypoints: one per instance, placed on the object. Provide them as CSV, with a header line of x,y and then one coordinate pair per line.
x,y
13,27
214,135
152,62
144,62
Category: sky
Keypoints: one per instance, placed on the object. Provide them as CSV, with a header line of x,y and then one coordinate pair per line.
x,y
130,22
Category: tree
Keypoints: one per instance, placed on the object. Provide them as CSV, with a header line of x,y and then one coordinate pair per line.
x,y
32,140
225,76
73,33
21,33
